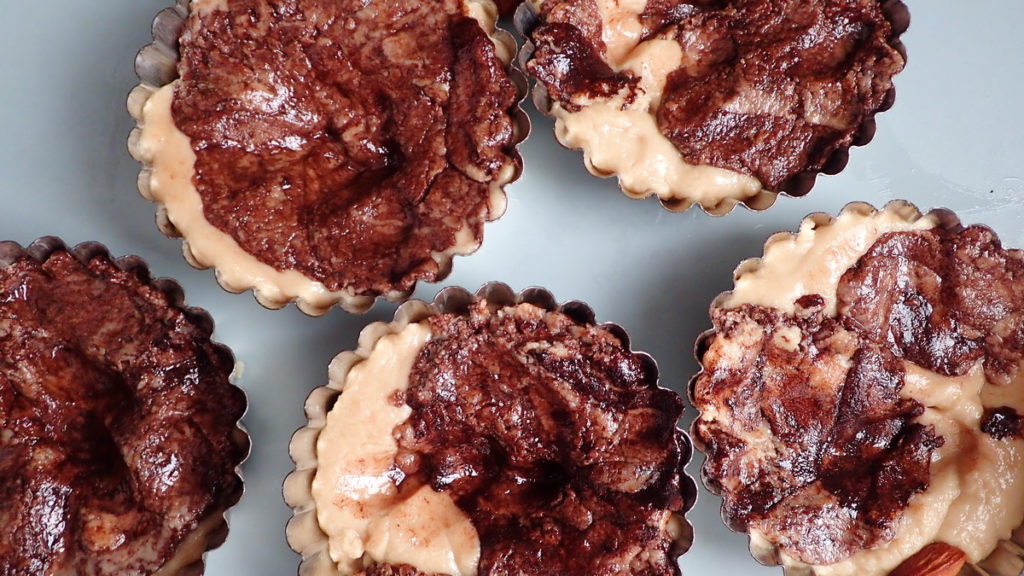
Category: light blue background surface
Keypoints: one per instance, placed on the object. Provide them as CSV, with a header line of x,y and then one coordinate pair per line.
x,y
954,138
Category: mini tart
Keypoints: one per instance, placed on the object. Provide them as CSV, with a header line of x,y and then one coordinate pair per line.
x,y
327,153
119,436
860,394
493,434
713,103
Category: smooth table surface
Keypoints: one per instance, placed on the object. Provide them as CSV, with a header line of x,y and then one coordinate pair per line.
x,y
954,138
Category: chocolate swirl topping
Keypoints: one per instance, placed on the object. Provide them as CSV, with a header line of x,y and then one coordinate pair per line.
x,y
552,437
766,88
117,422
349,141
807,436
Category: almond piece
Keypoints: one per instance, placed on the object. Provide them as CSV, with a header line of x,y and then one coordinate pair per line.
x,y
937,559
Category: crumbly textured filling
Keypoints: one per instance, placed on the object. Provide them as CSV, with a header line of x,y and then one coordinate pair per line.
x,y
552,437
350,141
807,434
766,88
116,420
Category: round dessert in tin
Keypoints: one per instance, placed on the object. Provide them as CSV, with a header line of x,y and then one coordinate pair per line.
x,y
713,102
860,395
492,435
119,442
328,152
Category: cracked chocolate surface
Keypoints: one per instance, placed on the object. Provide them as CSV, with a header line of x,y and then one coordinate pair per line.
x,y
941,300
347,140
767,88
570,64
552,437
807,436
116,421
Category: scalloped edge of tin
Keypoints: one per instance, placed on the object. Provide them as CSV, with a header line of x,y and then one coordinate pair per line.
x,y
156,67
211,531
1008,557
303,531
526,19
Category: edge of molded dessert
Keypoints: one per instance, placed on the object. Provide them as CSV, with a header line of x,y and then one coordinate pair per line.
x,y
1008,557
526,19
156,67
190,557
303,530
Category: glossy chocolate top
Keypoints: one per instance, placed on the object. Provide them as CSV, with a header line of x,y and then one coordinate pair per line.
x,y
346,140
552,437
942,300
117,422
766,88
1003,422
808,437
